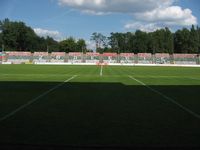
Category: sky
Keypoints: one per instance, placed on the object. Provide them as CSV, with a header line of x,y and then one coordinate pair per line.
x,y
80,18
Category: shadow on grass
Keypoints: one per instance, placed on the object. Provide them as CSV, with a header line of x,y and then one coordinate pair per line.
x,y
98,116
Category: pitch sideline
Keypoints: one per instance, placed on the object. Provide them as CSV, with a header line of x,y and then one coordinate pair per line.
x,y
35,99
167,98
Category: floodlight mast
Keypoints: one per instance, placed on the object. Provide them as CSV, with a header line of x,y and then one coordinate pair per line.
x,y
82,54
48,57
2,50
47,48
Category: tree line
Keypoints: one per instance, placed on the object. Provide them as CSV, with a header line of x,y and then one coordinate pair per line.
x,y
160,41
17,36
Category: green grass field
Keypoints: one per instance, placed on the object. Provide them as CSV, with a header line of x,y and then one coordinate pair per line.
x,y
77,107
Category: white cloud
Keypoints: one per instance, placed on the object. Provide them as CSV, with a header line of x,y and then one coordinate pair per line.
x,y
116,6
91,12
149,11
173,15
150,27
56,35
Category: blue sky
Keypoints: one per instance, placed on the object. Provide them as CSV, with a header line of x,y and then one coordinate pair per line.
x,y
80,18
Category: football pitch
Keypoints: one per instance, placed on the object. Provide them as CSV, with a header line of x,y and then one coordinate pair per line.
x,y
99,107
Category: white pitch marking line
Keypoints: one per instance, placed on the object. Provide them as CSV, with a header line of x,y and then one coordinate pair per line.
x,y
35,99
101,71
168,98
194,78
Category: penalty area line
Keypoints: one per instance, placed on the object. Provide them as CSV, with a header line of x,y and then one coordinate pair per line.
x,y
35,99
167,98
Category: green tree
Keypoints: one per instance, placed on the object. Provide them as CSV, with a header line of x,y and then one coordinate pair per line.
x,y
99,39
198,30
168,41
52,45
141,41
114,41
81,46
194,40
152,43
121,42
68,45
129,42
182,41
17,36
1,41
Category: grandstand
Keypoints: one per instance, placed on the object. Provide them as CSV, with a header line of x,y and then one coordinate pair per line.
x,y
109,57
127,58
18,57
94,58
185,59
75,57
58,57
162,58
41,57
144,58
1,57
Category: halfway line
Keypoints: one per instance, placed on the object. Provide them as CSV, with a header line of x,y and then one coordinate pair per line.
x,y
167,98
35,99
101,71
